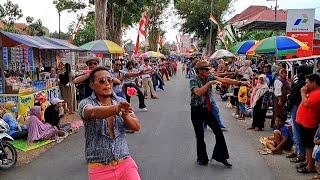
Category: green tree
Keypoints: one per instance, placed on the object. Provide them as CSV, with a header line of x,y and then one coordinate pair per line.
x,y
86,31
233,37
9,13
69,5
155,10
123,14
196,17
63,35
35,28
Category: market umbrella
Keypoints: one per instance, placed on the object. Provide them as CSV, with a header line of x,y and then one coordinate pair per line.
x,y
152,54
277,45
103,46
243,47
221,53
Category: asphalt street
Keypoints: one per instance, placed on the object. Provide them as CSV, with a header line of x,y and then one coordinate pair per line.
x,y
165,148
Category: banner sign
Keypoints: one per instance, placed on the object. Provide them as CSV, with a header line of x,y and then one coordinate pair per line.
x,y
25,103
300,25
52,93
300,20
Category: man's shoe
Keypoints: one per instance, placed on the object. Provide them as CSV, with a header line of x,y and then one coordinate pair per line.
x,y
129,131
226,163
202,163
143,109
292,155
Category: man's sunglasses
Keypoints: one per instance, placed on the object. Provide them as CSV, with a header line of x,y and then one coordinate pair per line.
x,y
105,80
92,63
204,69
117,64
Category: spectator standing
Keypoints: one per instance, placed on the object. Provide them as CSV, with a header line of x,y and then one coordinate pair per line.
x,y
308,117
281,90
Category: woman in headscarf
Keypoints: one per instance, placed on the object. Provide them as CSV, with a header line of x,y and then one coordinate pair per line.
x,y
37,130
246,70
259,103
16,131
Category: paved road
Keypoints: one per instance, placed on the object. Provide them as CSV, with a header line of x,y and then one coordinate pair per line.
x,y
164,149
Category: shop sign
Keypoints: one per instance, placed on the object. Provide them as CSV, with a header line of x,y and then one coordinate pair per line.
x,y
300,20
25,103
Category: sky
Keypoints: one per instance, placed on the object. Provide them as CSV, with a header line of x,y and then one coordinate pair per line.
x,y
45,10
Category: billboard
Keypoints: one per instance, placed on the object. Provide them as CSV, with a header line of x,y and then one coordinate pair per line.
x,y
300,20
300,25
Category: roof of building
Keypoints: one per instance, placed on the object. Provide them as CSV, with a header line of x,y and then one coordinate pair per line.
x,y
261,17
247,13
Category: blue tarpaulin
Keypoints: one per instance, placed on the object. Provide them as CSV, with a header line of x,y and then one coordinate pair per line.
x,y
41,42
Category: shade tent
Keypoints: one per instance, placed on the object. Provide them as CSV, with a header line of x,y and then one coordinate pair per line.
x,y
39,42
64,43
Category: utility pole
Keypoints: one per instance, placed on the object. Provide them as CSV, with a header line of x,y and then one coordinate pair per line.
x,y
59,25
275,9
211,26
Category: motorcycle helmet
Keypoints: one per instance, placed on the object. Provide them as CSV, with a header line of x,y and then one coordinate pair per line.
x,y
4,127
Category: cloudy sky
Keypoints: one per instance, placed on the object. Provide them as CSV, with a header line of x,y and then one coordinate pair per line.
x,y
45,10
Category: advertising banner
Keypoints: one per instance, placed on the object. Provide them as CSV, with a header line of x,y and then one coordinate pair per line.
x,y
25,103
300,25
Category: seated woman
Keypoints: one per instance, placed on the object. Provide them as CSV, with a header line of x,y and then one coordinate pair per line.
x,y
16,131
282,136
37,130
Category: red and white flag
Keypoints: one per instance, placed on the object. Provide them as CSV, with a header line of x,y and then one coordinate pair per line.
x,y
221,33
142,31
75,30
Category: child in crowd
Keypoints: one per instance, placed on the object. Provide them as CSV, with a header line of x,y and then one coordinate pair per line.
x,y
243,98
316,152
282,136
234,99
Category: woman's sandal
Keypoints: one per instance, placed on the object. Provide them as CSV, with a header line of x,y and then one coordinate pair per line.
x,y
298,159
305,170
301,165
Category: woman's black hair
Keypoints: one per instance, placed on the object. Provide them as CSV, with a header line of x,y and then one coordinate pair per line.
x,y
64,78
129,63
282,117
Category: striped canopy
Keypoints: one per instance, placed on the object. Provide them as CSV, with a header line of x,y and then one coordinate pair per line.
x,y
277,45
103,46
243,47
151,54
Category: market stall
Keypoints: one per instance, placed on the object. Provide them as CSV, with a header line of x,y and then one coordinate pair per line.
x,y
28,67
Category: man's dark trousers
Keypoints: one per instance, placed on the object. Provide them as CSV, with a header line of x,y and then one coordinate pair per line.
x,y
198,116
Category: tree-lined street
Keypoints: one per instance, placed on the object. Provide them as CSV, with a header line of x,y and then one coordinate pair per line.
x,y
165,148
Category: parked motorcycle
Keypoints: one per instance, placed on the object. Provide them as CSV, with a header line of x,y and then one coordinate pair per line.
x,y
8,153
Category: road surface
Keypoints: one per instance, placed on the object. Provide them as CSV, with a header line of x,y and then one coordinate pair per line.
x,y
164,149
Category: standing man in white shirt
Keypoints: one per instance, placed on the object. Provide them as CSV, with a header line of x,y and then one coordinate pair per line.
x,y
147,81
281,90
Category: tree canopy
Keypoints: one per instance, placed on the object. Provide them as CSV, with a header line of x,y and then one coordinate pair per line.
x,y
195,15
9,13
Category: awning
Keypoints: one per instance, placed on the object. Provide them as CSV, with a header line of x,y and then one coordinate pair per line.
x,y
41,42
63,43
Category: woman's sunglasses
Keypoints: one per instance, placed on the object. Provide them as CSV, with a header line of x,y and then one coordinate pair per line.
x,y
105,80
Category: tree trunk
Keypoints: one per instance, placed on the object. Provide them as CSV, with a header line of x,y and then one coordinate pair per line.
x,y
100,19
